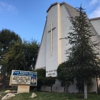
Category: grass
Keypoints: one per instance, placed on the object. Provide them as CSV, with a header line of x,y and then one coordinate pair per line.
x,y
1,94
54,96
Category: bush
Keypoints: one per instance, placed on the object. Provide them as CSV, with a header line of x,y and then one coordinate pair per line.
x,y
40,76
49,81
41,73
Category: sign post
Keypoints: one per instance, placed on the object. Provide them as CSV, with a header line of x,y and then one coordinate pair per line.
x,y
23,79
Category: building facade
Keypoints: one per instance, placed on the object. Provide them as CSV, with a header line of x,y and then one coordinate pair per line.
x,y
53,49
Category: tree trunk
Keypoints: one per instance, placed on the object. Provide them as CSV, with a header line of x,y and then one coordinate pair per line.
x,y
65,89
85,90
97,85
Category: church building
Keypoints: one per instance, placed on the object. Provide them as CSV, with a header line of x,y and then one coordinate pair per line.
x,y
53,49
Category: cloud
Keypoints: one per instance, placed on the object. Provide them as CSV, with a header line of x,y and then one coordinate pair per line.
x,y
93,2
3,4
10,7
95,13
7,7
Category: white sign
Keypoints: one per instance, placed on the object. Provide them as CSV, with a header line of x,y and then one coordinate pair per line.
x,y
52,73
19,77
21,80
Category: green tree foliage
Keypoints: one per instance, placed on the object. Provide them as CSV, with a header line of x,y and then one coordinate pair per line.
x,y
82,57
14,58
15,54
7,38
41,72
65,75
20,56
30,51
49,81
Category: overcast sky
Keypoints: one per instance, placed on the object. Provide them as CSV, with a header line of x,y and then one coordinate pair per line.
x,y
27,17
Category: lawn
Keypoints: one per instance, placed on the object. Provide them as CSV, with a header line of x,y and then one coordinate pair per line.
x,y
54,96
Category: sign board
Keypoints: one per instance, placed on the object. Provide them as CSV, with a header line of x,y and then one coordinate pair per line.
x,y
19,77
51,73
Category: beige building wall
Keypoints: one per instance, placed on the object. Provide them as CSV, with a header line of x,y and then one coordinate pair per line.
x,y
65,29
96,24
51,47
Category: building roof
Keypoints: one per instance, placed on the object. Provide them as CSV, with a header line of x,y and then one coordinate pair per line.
x,y
74,12
71,10
97,18
52,6
63,3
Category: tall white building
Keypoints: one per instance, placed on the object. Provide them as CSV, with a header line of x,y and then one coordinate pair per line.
x,y
53,48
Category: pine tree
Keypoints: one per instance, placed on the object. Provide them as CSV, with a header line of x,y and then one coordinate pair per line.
x,y
82,56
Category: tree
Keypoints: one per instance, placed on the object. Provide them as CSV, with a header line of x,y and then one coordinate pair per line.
x,y
65,75
82,56
7,37
13,59
20,56
80,84
30,51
